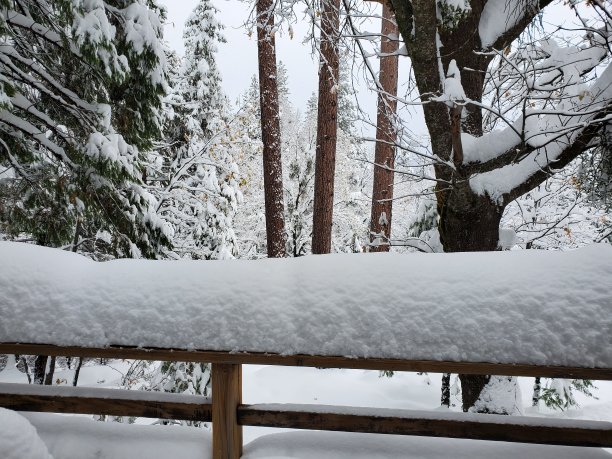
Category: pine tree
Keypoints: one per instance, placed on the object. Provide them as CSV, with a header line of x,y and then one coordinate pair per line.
x,y
181,378
250,219
352,175
201,85
80,99
298,152
560,394
194,172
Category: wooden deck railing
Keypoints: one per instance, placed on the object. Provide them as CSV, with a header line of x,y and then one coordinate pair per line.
x,y
228,414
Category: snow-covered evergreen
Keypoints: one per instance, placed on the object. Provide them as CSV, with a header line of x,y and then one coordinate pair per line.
x,y
81,89
193,171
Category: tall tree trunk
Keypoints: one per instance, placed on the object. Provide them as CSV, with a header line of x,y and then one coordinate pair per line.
x,y
327,126
270,130
384,153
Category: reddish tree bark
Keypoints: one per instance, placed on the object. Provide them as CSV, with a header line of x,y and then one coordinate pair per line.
x,y
327,126
384,153
270,130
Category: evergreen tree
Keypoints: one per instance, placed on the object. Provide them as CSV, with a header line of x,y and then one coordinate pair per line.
x,y
351,206
560,394
251,218
80,98
201,85
299,157
182,378
194,172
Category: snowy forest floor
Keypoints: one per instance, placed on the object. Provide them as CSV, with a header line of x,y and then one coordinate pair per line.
x,y
301,385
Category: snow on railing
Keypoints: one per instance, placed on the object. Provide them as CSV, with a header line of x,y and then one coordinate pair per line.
x,y
504,313
524,307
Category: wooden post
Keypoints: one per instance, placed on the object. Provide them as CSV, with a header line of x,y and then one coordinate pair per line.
x,y
226,397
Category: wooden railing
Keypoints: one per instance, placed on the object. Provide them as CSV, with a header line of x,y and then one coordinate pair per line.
x,y
228,414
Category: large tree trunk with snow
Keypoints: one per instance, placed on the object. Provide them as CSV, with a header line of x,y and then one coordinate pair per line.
x,y
384,153
468,221
327,126
40,369
270,130
451,46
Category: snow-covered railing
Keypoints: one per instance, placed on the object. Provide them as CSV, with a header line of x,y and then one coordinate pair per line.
x,y
518,314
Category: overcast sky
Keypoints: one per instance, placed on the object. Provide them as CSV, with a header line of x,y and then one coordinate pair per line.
x,y
237,58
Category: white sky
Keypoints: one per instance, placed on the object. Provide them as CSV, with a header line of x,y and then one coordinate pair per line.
x,y
237,58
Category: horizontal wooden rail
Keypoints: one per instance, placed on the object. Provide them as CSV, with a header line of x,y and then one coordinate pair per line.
x,y
477,368
62,399
113,402
423,423
230,414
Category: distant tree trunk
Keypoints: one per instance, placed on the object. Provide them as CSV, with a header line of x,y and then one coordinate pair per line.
x,y
77,235
40,368
50,371
384,153
77,371
270,130
445,399
327,126
537,387
22,361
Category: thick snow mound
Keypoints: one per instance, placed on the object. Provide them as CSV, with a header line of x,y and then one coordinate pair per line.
x,y
71,437
530,307
336,445
19,439
75,437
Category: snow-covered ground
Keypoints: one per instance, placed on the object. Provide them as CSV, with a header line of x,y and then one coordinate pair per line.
x,y
86,439
77,437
